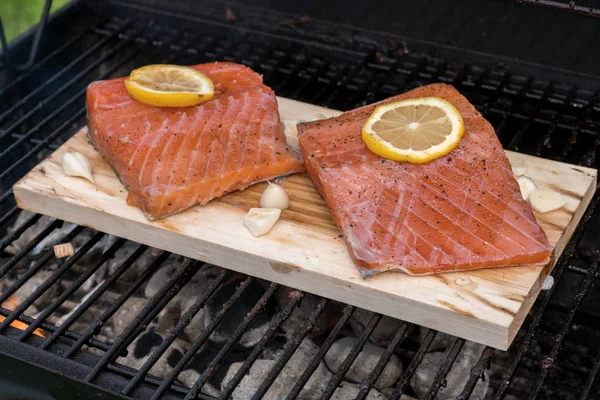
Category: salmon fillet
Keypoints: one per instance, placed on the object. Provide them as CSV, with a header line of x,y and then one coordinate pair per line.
x,y
170,159
462,211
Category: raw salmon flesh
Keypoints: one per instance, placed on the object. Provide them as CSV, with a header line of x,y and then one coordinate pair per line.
x,y
170,159
459,212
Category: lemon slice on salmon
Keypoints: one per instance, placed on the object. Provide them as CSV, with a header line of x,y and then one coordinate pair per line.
x,y
414,130
167,85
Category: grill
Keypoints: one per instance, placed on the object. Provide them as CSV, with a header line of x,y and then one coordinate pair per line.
x,y
588,8
121,320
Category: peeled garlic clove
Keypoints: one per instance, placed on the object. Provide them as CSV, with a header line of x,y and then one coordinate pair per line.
x,y
291,133
548,283
527,186
259,221
76,164
544,200
518,165
274,197
317,117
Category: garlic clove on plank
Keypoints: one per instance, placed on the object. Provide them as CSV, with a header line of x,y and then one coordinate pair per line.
x,y
526,185
518,166
274,196
291,133
76,164
259,221
544,200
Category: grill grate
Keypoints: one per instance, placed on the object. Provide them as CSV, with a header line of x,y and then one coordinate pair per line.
x,y
589,7
329,65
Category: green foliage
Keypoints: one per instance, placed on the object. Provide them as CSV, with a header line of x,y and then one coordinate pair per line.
x,y
19,15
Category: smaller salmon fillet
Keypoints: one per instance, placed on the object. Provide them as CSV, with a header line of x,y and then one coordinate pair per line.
x,y
170,159
459,212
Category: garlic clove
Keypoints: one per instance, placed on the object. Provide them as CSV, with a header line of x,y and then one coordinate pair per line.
x,y
548,283
274,196
259,221
526,185
317,117
518,165
544,200
291,133
76,164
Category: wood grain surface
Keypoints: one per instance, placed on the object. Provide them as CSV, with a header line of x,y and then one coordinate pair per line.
x,y
304,249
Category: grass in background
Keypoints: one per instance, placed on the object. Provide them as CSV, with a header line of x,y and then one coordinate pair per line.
x,y
18,15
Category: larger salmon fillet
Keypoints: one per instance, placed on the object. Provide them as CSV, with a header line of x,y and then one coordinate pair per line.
x,y
170,159
459,212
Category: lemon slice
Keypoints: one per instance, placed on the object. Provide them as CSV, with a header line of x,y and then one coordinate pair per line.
x,y
167,85
415,130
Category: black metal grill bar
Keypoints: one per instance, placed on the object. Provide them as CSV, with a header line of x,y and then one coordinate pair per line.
x,y
58,110
43,61
496,95
314,78
335,381
93,297
9,215
589,385
240,29
316,359
22,101
129,372
110,311
216,362
438,381
7,195
556,119
35,267
514,143
477,373
166,293
300,66
374,86
559,269
184,321
569,6
511,110
52,146
549,362
368,383
414,364
291,347
9,238
295,297
36,149
578,127
41,289
202,337
580,271
72,288
28,247
343,81
51,328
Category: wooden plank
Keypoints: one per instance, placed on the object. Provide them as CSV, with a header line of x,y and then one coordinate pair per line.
x,y
304,250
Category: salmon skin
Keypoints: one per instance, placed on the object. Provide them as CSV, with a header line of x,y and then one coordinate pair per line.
x,y
170,159
460,212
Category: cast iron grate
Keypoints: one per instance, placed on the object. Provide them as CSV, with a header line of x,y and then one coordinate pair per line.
x,y
313,62
590,8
